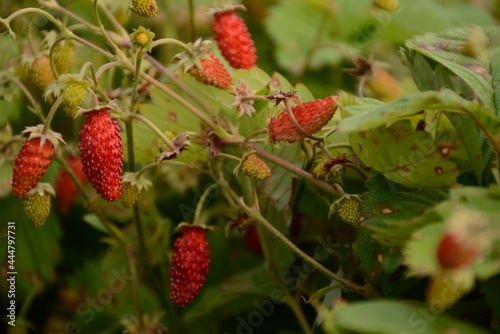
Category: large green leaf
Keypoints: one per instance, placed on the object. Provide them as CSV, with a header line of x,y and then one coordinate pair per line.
x,y
394,317
445,48
36,249
406,156
368,113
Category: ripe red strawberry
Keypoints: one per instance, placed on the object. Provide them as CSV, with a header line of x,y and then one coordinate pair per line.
x,y
33,159
66,190
213,73
311,116
102,152
233,38
190,264
453,253
252,240
252,166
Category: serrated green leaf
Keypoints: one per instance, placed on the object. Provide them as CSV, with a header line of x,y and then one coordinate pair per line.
x,y
405,156
421,251
445,48
393,317
370,114
231,294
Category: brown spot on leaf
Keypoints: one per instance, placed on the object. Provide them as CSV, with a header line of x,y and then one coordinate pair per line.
x,y
362,134
447,150
438,170
172,116
386,211
478,69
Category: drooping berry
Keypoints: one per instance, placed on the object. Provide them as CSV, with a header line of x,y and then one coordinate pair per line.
x,y
73,91
190,264
212,73
389,5
233,38
33,159
102,152
66,190
64,56
311,116
37,204
349,209
145,8
252,166
132,188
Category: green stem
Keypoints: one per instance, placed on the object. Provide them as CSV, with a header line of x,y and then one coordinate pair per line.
x,y
118,52
28,300
50,116
335,189
57,23
73,177
37,109
86,65
135,285
217,128
174,42
250,136
113,20
338,145
153,127
51,57
199,206
493,140
180,84
348,284
227,156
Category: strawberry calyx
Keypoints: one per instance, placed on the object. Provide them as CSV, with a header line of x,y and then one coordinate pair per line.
x,y
37,132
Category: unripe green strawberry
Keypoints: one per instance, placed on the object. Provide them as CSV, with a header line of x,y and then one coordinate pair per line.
x,y
33,159
233,38
37,204
145,8
102,152
311,116
383,85
448,286
213,73
349,209
190,264
142,39
389,5
36,74
64,56
252,166
73,91
132,188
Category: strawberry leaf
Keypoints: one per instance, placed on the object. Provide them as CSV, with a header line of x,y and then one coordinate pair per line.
x,y
411,158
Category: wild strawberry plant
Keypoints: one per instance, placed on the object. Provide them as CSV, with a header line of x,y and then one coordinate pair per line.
x,y
222,197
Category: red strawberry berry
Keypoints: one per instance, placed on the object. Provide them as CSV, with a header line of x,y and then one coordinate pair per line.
x,y
33,160
66,190
190,264
311,116
213,73
452,253
233,39
102,152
